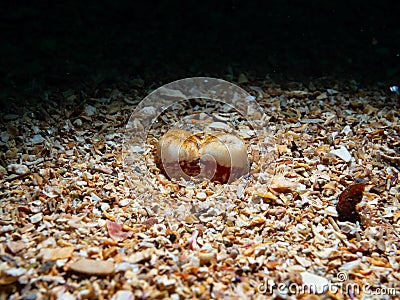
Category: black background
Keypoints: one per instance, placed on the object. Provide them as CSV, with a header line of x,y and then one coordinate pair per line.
x,y
60,44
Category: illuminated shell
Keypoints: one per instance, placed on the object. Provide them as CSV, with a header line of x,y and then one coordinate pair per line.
x,y
178,154
221,157
228,152
177,145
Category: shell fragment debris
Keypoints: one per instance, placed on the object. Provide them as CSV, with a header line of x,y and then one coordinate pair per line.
x,y
92,267
342,153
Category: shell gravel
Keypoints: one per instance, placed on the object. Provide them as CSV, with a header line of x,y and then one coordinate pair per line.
x,y
76,224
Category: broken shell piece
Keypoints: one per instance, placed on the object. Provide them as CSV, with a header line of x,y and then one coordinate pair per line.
x,y
348,200
282,185
92,267
206,258
315,283
17,169
201,196
219,126
343,153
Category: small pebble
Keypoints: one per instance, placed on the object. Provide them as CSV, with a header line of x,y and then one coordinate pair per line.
x,y
141,256
81,183
109,186
36,218
350,266
205,258
61,262
78,122
104,206
282,185
332,91
17,169
393,191
4,137
331,211
164,283
318,283
90,110
6,228
3,170
92,267
16,246
123,295
58,253
322,96
201,196
15,272
37,139
233,253
175,297
219,125
124,202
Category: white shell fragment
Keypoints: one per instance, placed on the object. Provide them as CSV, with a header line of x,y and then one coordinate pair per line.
x,y
346,130
281,184
37,139
123,295
15,272
90,110
317,284
350,266
331,211
342,153
36,218
17,169
219,125
201,196
332,91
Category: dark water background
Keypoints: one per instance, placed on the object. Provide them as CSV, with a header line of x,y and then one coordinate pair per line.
x,y
62,43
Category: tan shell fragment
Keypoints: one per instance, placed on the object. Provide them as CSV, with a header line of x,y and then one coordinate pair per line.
x,y
282,185
58,253
92,267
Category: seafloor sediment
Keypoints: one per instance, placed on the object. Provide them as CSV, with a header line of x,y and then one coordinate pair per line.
x,y
74,223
